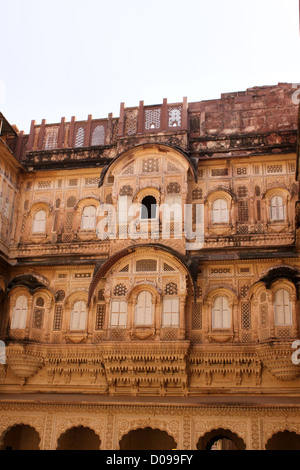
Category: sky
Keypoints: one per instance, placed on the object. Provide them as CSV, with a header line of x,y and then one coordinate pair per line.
x,y
64,58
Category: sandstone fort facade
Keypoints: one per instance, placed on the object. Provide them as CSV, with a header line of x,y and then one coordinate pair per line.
x,y
143,329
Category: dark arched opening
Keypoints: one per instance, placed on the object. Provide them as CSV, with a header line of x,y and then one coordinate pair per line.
x,y
149,208
21,437
147,439
221,439
285,440
79,438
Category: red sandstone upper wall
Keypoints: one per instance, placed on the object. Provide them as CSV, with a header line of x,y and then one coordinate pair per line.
x,y
258,110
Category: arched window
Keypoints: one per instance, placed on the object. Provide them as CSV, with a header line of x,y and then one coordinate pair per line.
x,y
39,222
144,309
38,314
170,313
277,208
88,219
149,208
282,308
19,314
98,137
220,213
79,141
118,314
78,316
221,314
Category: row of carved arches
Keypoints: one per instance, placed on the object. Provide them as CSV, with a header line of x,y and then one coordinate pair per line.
x,y
269,310
25,437
219,209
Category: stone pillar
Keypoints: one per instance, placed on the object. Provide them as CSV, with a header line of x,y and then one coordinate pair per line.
x,y
140,127
61,133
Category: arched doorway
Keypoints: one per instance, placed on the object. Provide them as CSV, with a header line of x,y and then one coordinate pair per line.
x,y
79,438
21,437
147,439
221,439
285,440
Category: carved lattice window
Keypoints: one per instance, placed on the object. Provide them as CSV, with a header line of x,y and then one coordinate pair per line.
x,y
38,314
244,290
171,289
98,137
243,211
50,140
220,172
146,265
175,116
168,268
150,165
126,191
152,118
246,316
58,314
79,141
197,194
120,290
242,191
100,317
241,171
60,295
196,316
173,188
274,168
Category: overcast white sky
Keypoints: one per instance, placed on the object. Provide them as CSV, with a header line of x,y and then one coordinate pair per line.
x,y
79,57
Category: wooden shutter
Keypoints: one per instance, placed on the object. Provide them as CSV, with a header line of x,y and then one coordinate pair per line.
x,y
89,218
221,314
277,208
19,315
39,223
118,316
282,308
220,211
78,316
171,312
144,309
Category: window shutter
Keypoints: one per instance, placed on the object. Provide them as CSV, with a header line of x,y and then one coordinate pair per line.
x,y
144,309
123,314
89,218
78,317
220,211
282,308
118,317
277,208
19,316
221,314
171,312
39,223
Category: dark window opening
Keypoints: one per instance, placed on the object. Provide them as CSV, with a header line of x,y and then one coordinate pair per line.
x,y
149,208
